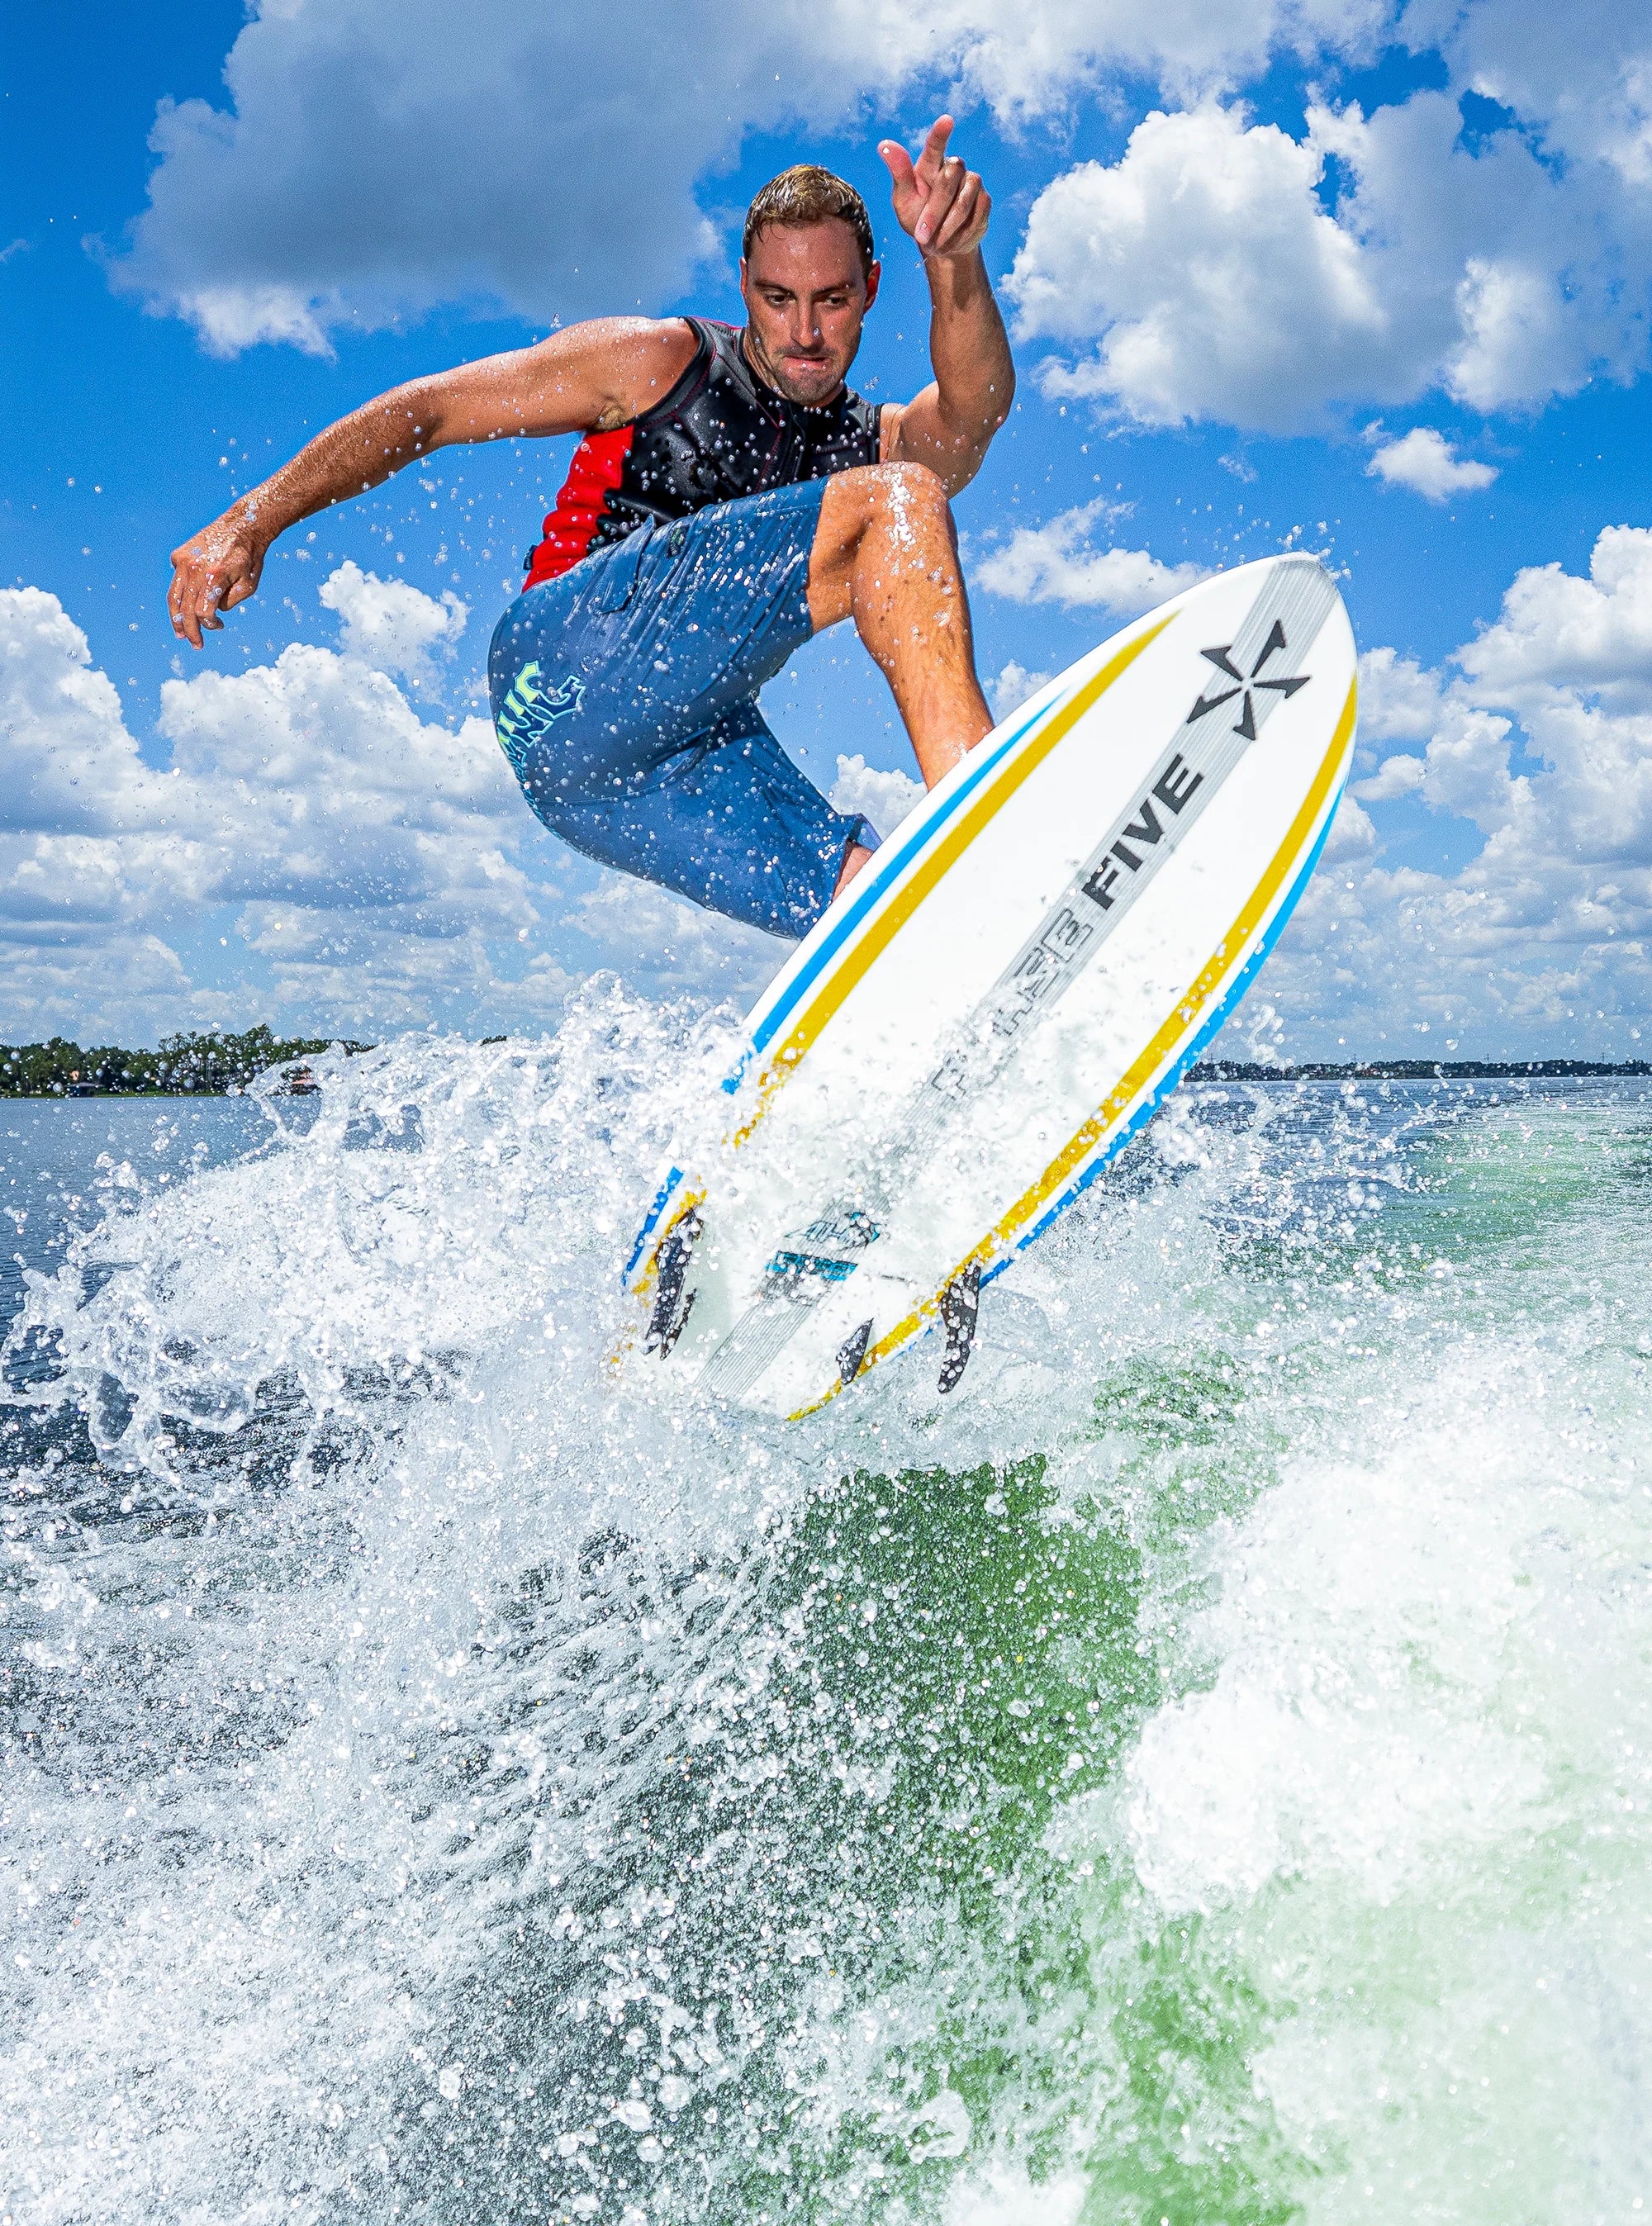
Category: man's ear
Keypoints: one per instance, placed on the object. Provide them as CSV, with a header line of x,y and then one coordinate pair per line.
x,y
871,277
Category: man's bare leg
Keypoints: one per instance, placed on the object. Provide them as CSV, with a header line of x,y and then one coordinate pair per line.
x,y
885,556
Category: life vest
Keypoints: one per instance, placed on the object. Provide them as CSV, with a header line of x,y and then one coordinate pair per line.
x,y
719,434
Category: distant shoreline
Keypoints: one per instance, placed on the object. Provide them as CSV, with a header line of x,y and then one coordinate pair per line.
x,y
1421,1070
216,1065
210,1062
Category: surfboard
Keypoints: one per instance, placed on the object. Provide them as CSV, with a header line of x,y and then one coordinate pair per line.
x,y
999,1000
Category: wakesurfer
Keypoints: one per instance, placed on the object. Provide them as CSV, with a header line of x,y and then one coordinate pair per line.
x,y
732,496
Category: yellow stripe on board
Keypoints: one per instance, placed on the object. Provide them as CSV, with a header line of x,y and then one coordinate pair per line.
x,y
945,854
1123,1094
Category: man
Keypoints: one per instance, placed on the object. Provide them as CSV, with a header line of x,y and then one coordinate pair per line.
x,y
731,497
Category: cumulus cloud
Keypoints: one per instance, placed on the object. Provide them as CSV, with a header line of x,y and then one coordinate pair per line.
x,y
1216,271
1581,75
366,164
363,851
391,624
884,798
1197,261
665,946
89,779
1542,745
1014,686
369,163
1399,701
1426,462
1055,563
1557,632
1396,777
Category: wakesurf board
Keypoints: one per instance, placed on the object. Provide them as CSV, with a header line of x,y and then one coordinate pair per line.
x,y
999,1000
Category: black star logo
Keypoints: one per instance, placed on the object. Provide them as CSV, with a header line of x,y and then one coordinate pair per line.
x,y
1222,659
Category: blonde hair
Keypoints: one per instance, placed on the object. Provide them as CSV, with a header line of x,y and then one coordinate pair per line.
x,y
807,194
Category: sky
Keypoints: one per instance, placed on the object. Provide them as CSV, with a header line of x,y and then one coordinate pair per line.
x,y
1367,279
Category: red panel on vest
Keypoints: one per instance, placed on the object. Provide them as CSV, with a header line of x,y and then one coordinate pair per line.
x,y
599,463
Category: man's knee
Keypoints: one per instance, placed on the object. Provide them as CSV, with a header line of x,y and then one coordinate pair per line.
x,y
906,502
909,491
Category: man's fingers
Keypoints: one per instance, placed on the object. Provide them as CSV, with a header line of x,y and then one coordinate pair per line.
x,y
184,623
966,220
939,200
898,163
217,594
200,591
934,151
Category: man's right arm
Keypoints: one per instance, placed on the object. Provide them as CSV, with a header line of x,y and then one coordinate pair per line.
x,y
591,376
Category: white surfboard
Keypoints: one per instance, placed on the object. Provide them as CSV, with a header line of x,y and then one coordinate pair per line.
x,y
1002,997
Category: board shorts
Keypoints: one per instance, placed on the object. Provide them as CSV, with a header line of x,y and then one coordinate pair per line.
x,y
623,693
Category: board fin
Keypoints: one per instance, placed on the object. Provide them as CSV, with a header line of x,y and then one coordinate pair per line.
x,y
960,1303
671,1308
852,1352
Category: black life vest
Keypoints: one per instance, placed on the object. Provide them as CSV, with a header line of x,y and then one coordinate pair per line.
x,y
719,434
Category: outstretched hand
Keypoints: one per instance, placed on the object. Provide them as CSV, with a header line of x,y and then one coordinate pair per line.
x,y
213,572
943,206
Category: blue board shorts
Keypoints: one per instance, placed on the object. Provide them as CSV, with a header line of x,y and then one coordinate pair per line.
x,y
624,694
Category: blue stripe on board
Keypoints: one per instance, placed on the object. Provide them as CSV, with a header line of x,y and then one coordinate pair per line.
x,y
662,1197
878,878
1174,1073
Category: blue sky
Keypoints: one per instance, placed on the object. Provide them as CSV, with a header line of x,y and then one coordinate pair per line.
x,y
1275,274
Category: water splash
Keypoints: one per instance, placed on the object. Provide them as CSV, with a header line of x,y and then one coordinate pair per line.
x,y
1196,1772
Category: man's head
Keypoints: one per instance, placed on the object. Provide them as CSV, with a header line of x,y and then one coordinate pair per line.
x,y
809,273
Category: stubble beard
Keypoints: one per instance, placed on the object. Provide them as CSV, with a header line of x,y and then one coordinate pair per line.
x,y
813,395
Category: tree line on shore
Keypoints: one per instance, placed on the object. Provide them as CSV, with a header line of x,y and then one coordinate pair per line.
x,y
212,1064
1417,1069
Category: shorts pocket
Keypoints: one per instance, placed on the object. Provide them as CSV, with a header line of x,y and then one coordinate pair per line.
x,y
616,581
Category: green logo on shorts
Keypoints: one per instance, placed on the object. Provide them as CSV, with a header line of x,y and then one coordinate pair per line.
x,y
529,710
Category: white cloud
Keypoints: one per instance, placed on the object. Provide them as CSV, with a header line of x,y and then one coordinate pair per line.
x,y
1542,942
367,850
884,798
1014,686
372,162
1394,778
1210,276
1199,260
90,779
1425,462
1054,564
230,318
1581,74
1558,633
391,624
1399,702
663,945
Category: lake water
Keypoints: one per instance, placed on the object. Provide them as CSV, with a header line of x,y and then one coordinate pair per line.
x,y
1199,1772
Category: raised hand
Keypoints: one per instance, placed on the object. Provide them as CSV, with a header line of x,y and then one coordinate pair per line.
x,y
942,204
213,572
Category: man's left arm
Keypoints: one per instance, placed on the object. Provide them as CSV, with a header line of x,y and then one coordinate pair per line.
x,y
945,208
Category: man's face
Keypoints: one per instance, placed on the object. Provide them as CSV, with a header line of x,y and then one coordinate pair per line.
x,y
805,298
